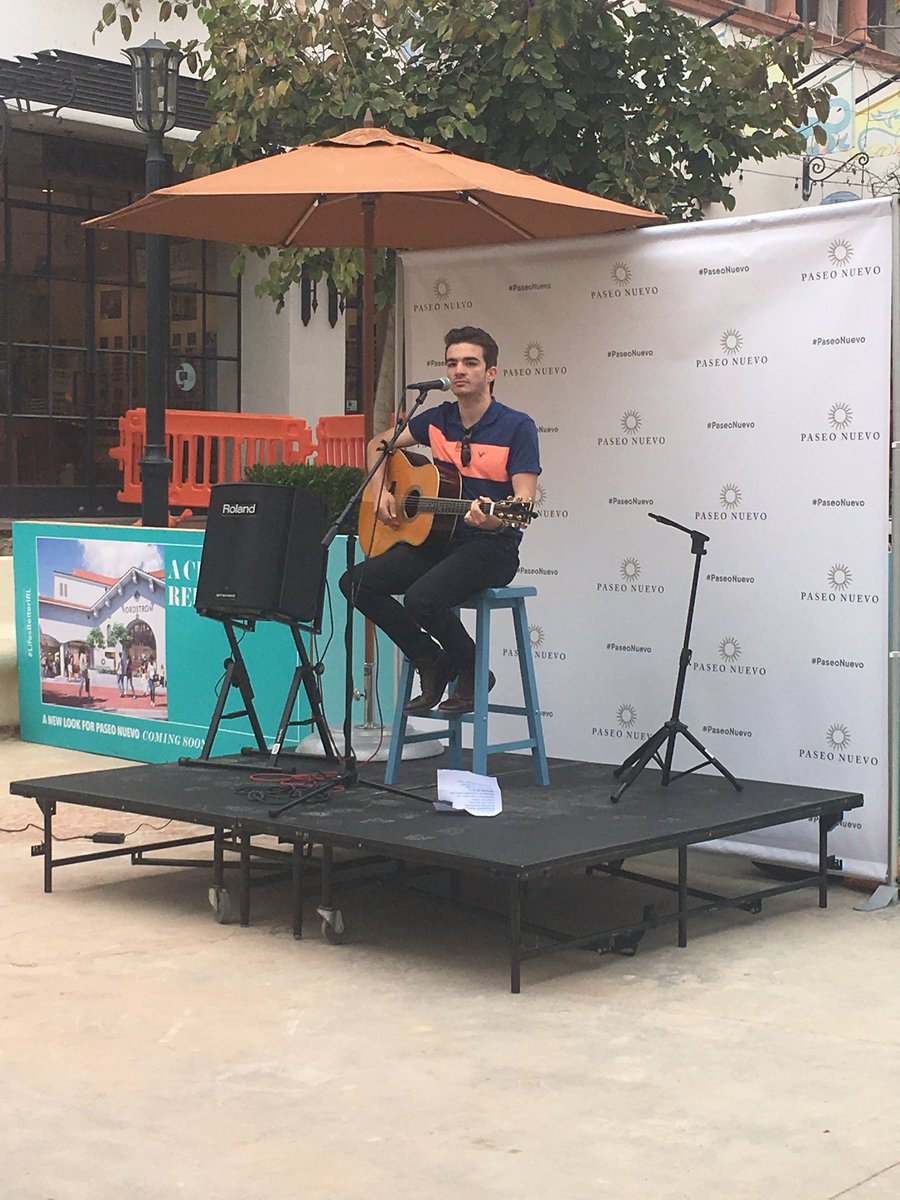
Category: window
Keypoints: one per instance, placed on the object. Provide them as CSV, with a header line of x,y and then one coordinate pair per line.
x,y
73,343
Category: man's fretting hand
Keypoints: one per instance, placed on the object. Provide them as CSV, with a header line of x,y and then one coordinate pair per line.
x,y
477,518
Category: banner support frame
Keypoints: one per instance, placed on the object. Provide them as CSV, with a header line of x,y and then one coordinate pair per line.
x,y
894,581
888,893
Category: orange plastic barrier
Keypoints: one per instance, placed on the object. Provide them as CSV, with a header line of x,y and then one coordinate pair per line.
x,y
341,441
209,447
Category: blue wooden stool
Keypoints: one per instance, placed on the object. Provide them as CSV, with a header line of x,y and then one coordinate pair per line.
x,y
484,604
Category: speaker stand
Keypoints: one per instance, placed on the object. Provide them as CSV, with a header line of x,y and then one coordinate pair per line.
x,y
237,676
307,675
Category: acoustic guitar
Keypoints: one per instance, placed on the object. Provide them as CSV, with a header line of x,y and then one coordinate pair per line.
x,y
429,503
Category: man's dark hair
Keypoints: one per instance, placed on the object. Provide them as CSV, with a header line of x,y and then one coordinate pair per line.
x,y
475,337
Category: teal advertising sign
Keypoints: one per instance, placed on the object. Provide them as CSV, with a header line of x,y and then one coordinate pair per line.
x,y
114,659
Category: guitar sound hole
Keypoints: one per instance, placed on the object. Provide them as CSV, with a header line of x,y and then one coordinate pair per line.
x,y
411,504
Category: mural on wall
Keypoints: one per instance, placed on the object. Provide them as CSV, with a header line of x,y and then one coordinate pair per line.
x,y
873,129
840,125
102,622
879,126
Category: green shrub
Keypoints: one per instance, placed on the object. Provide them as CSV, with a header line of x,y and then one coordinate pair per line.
x,y
335,484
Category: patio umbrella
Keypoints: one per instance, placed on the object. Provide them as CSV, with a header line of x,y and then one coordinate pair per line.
x,y
370,188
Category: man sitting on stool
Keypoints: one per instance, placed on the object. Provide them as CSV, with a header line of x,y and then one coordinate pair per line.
x,y
495,450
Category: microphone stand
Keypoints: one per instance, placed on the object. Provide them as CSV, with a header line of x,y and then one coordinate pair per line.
x,y
349,776
668,732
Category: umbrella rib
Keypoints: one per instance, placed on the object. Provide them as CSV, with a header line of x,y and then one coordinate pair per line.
x,y
468,198
306,216
523,233
465,197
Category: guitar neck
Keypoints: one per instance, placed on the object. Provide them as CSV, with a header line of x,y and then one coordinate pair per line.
x,y
450,508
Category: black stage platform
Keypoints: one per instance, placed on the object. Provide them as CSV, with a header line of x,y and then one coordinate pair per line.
x,y
541,831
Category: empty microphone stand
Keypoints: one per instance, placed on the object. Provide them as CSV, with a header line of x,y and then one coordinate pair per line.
x,y
668,733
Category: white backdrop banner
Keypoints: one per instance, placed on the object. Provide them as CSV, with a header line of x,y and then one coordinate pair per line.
x,y
733,376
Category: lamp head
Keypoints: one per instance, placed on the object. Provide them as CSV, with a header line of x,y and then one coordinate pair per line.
x,y
154,77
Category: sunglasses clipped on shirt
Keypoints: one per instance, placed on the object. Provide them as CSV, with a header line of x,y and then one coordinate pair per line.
x,y
465,447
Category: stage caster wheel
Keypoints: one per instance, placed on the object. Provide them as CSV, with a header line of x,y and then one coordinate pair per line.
x,y
332,925
220,902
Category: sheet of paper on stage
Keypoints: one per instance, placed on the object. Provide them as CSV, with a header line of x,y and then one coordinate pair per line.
x,y
463,791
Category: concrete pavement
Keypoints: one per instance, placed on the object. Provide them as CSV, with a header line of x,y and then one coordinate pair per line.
x,y
147,1052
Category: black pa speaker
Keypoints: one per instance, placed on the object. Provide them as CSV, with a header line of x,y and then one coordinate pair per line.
x,y
263,557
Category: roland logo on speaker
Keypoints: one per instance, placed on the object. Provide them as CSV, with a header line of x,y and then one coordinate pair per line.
x,y
239,508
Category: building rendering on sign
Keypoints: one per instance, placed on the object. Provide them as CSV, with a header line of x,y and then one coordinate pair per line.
x,y
91,619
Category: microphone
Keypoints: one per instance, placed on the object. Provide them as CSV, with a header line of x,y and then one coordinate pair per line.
x,y
430,385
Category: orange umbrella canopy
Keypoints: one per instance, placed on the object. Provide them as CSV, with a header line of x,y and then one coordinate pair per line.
x,y
425,196
370,188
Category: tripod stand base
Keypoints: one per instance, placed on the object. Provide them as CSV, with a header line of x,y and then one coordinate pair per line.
x,y
649,751
369,744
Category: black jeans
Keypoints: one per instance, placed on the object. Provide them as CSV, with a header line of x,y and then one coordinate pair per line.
x,y
433,582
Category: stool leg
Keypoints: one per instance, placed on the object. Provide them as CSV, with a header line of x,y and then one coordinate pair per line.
x,y
398,730
454,743
482,669
529,689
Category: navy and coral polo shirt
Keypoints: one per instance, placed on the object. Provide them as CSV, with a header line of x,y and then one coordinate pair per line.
x,y
503,443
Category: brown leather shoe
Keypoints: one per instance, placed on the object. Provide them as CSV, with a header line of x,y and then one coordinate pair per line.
x,y
434,675
462,698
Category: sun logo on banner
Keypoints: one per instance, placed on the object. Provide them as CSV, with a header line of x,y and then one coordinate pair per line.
x,y
730,496
838,737
729,649
442,289
840,577
621,273
539,496
631,421
630,569
732,340
840,252
535,636
626,715
840,415
534,353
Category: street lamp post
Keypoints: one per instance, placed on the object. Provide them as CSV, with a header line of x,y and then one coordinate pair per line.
x,y
154,68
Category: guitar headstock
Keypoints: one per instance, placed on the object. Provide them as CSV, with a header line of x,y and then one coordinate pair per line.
x,y
514,512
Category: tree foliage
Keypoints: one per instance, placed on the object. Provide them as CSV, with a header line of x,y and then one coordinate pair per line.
x,y
640,105
117,635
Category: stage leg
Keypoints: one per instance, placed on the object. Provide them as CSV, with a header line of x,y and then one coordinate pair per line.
x,y
245,879
327,865
219,857
515,936
48,808
682,896
824,828
332,920
297,889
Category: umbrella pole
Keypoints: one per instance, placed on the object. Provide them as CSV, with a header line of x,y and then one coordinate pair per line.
x,y
368,315
368,403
